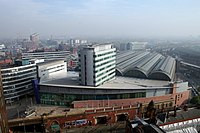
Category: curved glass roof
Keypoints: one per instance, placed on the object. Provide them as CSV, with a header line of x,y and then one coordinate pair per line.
x,y
146,62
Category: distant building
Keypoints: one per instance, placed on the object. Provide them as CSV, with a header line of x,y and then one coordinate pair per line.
x,y
3,113
83,41
136,46
72,62
24,62
35,39
97,64
35,61
76,42
2,46
47,56
6,62
27,44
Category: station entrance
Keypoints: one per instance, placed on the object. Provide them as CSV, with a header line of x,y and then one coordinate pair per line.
x,y
101,119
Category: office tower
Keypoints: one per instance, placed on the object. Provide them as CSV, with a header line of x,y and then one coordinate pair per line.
x,y
97,64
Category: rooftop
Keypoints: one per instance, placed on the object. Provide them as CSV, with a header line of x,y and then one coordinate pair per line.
x,y
71,79
144,64
50,63
181,115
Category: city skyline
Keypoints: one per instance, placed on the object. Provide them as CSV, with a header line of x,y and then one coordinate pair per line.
x,y
100,18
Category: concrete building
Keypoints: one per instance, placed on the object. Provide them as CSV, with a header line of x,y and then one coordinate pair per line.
x,y
118,92
17,81
97,64
2,46
76,42
27,44
35,39
47,56
3,113
136,46
48,70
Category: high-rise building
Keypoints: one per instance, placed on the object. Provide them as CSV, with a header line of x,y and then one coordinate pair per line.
x,y
35,39
97,64
3,113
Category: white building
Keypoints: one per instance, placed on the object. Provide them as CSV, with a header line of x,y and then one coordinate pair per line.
x,y
47,56
97,64
2,46
137,45
17,81
48,70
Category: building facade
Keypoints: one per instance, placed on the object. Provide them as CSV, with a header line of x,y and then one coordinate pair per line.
x,y
17,81
97,64
47,56
118,92
35,39
3,113
47,70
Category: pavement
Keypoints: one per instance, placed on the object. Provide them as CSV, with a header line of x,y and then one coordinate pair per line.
x,y
118,127
17,109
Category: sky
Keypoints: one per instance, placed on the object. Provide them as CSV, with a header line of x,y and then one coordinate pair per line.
x,y
100,18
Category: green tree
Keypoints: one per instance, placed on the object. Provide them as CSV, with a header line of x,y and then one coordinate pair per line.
x,y
198,88
195,100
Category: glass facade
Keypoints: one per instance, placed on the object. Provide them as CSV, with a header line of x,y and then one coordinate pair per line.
x,y
67,99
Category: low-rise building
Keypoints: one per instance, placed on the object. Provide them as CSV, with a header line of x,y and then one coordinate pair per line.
x,y
47,56
68,91
47,70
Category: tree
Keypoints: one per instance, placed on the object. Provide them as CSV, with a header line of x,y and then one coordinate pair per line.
x,y
195,100
198,88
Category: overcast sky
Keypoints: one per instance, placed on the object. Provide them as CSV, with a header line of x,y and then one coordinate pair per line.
x,y
109,18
